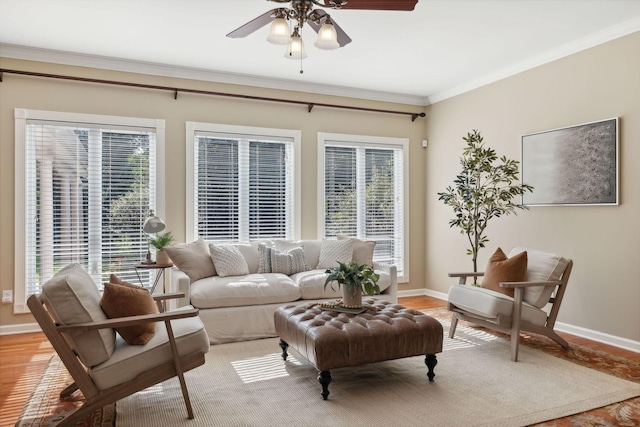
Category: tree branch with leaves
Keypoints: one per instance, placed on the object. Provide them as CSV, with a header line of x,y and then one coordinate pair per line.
x,y
484,189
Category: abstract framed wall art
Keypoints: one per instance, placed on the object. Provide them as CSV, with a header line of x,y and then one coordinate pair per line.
x,y
575,165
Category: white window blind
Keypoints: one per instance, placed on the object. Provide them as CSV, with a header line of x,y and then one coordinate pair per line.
x,y
244,186
88,188
364,196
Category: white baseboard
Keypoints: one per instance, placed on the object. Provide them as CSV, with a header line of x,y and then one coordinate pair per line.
x,y
23,328
422,292
601,337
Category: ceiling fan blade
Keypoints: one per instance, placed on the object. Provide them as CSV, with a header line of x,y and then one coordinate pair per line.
x,y
253,25
343,38
405,5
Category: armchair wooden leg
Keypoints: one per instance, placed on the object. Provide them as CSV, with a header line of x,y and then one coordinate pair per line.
x,y
179,370
69,390
454,324
515,338
515,323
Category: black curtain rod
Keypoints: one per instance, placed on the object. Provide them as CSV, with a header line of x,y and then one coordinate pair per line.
x,y
176,90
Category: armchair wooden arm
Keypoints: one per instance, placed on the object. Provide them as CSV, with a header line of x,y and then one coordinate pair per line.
x,y
161,299
463,276
528,284
166,296
129,321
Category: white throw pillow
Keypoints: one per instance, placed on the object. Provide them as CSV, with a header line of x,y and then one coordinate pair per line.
x,y
193,258
362,250
228,260
334,251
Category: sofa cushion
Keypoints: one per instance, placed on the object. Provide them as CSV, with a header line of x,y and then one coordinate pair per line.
x,y
541,266
311,249
251,255
193,258
486,302
275,261
128,361
251,289
311,284
334,251
125,299
228,260
71,296
362,250
502,269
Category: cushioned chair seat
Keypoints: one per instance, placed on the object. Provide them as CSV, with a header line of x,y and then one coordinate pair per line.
x,y
251,289
488,303
128,361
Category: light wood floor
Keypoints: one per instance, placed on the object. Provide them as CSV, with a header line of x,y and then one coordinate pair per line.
x,y
24,357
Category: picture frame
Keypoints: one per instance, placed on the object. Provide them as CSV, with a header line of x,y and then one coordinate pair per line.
x,y
572,166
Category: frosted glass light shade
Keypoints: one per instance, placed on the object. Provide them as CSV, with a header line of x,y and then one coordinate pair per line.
x,y
279,33
295,49
327,37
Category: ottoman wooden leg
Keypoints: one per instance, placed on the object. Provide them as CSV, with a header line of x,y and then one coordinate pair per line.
x,y
431,363
325,379
284,346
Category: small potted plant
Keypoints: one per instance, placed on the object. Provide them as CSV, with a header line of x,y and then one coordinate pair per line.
x,y
161,241
355,279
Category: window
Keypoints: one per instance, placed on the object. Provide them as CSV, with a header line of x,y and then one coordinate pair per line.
x,y
84,185
242,183
361,190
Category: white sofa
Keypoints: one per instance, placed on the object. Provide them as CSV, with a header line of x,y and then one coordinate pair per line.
x,y
241,307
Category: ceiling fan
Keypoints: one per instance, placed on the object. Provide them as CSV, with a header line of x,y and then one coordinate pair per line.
x,y
330,35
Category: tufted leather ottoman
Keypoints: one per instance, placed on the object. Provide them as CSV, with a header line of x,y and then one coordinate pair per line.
x,y
329,339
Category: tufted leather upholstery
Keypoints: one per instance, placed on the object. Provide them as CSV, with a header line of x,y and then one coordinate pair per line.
x,y
329,339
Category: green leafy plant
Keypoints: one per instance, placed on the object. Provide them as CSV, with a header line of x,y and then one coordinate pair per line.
x,y
162,240
484,189
353,276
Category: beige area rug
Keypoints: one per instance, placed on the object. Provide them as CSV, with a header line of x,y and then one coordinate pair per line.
x,y
248,384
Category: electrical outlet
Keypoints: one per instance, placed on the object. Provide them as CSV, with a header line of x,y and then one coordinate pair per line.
x,y
7,297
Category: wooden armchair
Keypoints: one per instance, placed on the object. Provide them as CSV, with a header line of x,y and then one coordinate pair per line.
x,y
104,367
546,281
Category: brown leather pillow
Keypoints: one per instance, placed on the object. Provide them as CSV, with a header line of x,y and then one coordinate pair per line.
x,y
502,269
115,279
124,299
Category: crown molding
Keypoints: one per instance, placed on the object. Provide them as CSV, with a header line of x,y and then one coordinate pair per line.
x,y
592,40
115,64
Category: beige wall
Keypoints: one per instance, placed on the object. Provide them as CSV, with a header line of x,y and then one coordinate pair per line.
x,y
55,95
604,241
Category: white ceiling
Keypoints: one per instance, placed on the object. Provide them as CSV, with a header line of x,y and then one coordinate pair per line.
x,y
442,48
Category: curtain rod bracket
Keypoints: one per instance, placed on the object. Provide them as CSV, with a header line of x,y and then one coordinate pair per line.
x,y
415,116
310,107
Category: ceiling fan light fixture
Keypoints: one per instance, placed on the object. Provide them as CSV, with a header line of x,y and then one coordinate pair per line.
x,y
327,37
279,33
295,49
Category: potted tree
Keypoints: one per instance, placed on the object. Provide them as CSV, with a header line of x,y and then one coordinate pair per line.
x,y
159,242
355,279
484,189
